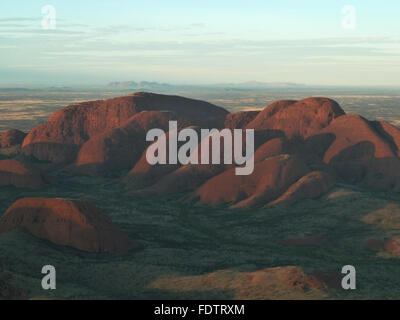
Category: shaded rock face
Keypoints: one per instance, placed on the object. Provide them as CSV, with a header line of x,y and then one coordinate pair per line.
x,y
352,130
318,144
159,179
240,120
20,175
270,148
270,178
186,178
122,147
297,118
12,137
364,152
167,178
331,279
113,150
143,174
390,133
72,223
311,186
60,138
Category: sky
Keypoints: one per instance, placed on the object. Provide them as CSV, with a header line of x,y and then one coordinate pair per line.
x,y
315,42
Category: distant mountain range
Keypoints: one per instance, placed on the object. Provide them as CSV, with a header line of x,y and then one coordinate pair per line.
x,y
242,85
140,84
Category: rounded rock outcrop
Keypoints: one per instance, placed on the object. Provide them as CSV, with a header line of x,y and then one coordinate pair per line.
x,y
20,175
59,139
73,223
12,138
297,118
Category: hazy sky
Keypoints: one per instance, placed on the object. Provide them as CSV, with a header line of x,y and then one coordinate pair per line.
x,y
98,41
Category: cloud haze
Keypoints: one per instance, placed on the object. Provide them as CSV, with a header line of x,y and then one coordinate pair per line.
x,y
208,44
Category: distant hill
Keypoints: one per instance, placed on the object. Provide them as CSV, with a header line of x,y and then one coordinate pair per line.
x,y
151,85
144,85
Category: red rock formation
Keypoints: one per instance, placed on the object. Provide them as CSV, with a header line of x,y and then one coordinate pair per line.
x,y
364,152
12,137
288,283
269,179
113,150
20,175
392,246
317,145
176,178
331,279
270,148
297,118
121,148
351,130
186,178
390,133
311,186
387,217
72,223
145,174
110,135
240,120
59,139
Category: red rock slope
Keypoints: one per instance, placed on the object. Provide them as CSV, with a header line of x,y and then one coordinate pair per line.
x,y
12,137
60,138
20,175
297,118
72,223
